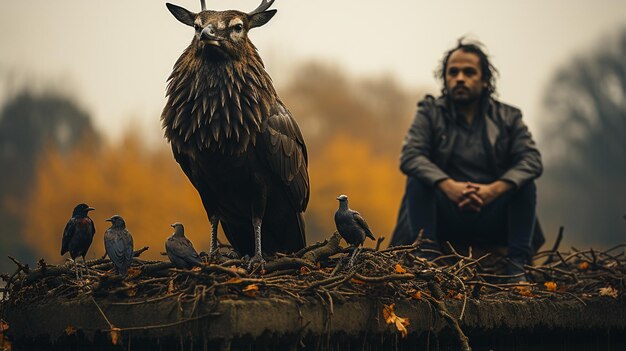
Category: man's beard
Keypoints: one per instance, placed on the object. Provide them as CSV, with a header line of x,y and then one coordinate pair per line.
x,y
464,100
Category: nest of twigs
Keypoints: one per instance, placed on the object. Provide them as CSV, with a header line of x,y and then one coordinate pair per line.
x,y
325,270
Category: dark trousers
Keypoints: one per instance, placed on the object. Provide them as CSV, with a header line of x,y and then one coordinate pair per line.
x,y
508,221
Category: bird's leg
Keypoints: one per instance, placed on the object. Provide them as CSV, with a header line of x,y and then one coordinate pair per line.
x,y
215,219
354,254
258,256
76,267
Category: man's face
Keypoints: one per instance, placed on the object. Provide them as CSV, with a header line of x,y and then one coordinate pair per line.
x,y
464,79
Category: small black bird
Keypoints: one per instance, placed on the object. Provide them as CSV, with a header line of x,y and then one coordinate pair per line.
x,y
351,226
119,244
180,250
78,234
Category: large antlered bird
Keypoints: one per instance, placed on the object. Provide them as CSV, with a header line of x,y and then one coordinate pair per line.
x,y
78,234
234,138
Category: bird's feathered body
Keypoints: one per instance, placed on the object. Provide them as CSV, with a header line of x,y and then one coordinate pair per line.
x,y
118,243
237,142
350,225
180,250
78,233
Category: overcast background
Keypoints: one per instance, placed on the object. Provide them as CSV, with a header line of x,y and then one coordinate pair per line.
x,y
116,55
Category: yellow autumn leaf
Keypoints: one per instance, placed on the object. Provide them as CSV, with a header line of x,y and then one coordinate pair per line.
x,y
399,269
170,287
550,286
524,291
70,330
608,291
583,265
391,318
116,334
234,280
251,290
417,295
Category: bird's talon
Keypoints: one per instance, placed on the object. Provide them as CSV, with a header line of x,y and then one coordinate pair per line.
x,y
257,263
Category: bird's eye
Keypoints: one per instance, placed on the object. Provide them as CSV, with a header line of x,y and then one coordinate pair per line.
x,y
238,27
197,26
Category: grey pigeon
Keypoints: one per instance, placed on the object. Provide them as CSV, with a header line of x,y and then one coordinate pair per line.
x,y
119,244
350,225
180,250
78,234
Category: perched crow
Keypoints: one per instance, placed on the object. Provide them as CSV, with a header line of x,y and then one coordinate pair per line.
x,y
234,138
119,244
180,250
78,234
350,225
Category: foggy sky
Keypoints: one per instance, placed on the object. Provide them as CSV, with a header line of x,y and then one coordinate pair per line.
x,y
115,56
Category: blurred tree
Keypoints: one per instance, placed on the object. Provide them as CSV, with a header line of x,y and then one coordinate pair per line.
x,y
585,146
146,187
29,123
354,130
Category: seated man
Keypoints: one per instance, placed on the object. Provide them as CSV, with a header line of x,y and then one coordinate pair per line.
x,y
470,163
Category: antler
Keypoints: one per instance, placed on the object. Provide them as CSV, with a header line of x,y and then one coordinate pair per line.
x,y
265,4
203,4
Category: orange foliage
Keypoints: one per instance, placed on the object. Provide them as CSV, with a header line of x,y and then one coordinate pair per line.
x,y
373,183
147,188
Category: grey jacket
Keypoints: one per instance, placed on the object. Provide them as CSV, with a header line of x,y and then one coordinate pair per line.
x,y
427,147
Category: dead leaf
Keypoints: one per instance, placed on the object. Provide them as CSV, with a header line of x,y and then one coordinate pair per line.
x,y
116,333
4,326
234,280
391,318
170,287
550,286
608,291
251,290
196,269
399,269
305,270
417,295
70,330
583,265
133,272
524,291
356,281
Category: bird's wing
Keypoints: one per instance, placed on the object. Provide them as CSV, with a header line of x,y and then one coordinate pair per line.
x,y
117,249
67,235
283,149
186,251
363,224
128,243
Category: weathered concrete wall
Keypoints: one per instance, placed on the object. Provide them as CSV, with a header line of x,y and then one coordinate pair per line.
x,y
283,324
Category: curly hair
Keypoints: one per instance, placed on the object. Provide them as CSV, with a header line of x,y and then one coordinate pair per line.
x,y
489,72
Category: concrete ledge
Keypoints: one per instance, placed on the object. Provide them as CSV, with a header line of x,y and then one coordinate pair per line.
x,y
232,320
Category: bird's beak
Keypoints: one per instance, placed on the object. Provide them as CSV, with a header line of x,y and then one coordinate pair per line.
x,y
109,220
90,209
208,36
172,225
338,198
